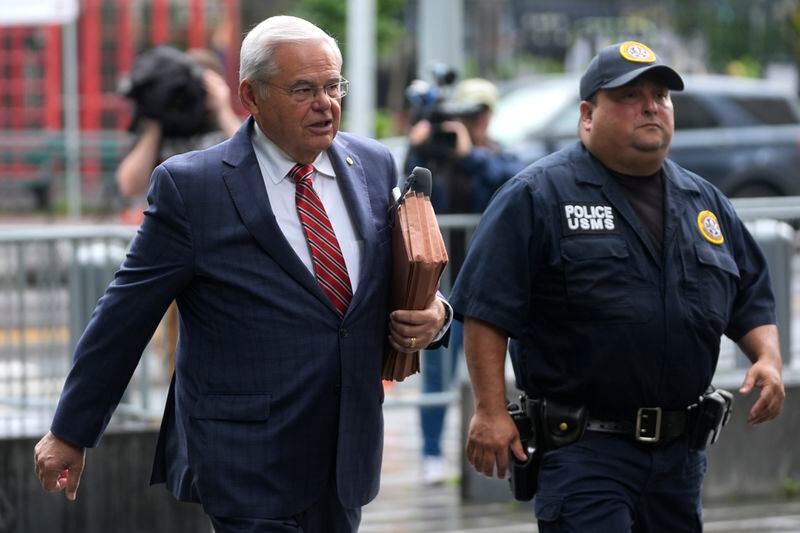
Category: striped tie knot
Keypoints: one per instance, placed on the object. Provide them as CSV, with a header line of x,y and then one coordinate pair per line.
x,y
302,173
326,254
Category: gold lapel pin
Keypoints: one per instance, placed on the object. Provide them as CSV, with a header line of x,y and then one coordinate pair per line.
x,y
349,160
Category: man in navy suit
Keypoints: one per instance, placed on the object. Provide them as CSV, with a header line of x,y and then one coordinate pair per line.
x,y
273,420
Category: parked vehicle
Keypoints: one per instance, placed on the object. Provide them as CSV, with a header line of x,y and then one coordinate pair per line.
x,y
741,134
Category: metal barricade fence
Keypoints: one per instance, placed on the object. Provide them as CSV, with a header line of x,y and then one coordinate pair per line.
x,y
50,280
51,277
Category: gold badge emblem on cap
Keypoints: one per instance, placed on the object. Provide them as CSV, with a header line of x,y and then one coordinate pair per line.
x,y
709,227
638,52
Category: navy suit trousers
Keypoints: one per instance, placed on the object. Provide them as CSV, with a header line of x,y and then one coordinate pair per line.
x,y
326,515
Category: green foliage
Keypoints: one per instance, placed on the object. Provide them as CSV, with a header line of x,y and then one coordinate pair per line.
x,y
384,125
791,487
794,31
747,67
331,16
740,33
390,26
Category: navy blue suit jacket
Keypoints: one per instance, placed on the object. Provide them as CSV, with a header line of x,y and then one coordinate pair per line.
x,y
273,393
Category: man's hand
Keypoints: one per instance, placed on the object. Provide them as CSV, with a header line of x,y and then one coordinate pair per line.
x,y
419,133
218,101
488,441
491,431
218,94
411,331
463,140
762,346
58,465
769,404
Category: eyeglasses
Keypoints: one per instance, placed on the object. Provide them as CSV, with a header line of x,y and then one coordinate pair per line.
x,y
305,93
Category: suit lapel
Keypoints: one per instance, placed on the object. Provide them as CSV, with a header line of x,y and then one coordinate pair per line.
x,y
353,185
246,187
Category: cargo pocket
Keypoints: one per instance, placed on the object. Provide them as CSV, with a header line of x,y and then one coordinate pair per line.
x,y
547,508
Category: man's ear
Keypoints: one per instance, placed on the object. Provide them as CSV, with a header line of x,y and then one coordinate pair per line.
x,y
586,109
247,95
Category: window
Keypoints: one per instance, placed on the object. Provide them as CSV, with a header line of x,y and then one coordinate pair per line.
x,y
768,109
691,113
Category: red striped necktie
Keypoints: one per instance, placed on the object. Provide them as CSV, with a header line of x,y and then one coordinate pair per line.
x,y
329,266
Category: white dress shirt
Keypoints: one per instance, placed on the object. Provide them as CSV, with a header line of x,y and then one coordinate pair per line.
x,y
275,164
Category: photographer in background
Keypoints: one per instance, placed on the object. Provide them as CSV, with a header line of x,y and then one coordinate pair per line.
x,y
452,140
182,103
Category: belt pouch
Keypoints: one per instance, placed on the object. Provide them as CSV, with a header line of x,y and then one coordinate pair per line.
x,y
711,414
562,424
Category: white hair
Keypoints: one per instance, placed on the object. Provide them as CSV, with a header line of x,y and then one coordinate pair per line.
x,y
257,56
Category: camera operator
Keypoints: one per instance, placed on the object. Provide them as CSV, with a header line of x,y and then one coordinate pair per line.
x,y
159,137
453,142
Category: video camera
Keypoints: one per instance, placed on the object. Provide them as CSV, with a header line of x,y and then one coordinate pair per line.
x,y
432,102
166,85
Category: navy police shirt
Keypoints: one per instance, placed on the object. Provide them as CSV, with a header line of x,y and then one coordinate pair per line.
x,y
596,315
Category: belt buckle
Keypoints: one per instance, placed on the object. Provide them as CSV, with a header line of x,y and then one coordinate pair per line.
x,y
648,424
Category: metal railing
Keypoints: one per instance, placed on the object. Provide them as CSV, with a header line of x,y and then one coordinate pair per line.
x,y
50,280
51,277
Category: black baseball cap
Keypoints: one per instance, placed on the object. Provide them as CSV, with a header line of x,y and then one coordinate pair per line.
x,y
621,63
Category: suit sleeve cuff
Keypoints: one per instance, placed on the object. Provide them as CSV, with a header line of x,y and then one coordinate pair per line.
x,y
448,319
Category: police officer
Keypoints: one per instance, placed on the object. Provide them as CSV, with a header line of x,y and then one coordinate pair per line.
x,y
614,272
